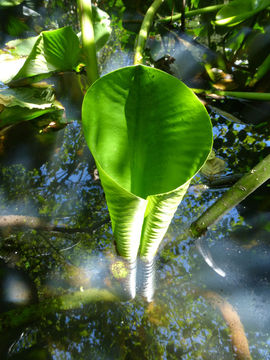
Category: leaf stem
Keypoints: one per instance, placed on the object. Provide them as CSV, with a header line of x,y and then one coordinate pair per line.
x,y
238,192
88,39
191,13
142,37
236,94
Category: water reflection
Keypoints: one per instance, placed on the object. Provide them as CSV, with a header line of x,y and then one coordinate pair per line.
x,y
84,290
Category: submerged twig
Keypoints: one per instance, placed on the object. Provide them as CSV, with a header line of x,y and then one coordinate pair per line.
x,y
239,340
222,181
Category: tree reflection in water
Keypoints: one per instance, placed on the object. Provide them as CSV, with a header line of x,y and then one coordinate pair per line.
x,y
81,310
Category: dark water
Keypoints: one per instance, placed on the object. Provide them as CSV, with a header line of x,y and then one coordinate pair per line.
x,y
198,287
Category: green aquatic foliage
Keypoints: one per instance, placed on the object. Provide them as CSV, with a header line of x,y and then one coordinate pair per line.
x,y
56,50
22,104
149,135
7,3
239,10
102,28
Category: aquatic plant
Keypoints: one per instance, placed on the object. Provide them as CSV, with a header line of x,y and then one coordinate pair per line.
x,y
149,135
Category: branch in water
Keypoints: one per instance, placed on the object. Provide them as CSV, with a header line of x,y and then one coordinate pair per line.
x,y
238,192
32,222
238,337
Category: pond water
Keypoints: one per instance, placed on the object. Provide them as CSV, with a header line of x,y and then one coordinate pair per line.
x,y
210,297
185,320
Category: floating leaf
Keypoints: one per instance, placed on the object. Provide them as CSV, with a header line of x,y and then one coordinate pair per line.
x,y
22,104
149,135
239,10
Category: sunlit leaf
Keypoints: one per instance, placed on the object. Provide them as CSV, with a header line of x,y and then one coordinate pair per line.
x,y
10,65
56,50
6,3
149,135
239,10
21,47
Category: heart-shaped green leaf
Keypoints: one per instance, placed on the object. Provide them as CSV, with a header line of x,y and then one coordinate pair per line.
x,y
239,10
149,135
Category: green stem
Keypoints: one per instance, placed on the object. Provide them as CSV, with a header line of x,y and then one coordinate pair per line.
x,y
146,24
191,13
88,39
14,319
238,192
236,94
